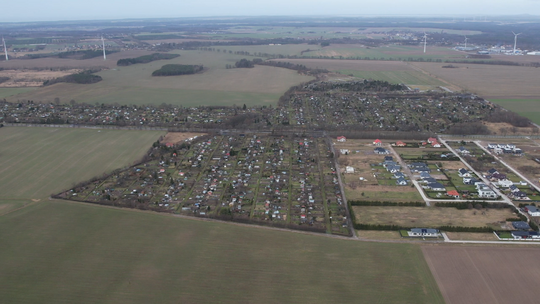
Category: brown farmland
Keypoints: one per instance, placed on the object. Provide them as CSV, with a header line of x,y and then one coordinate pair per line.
x,y
43,63
361,65
489,81
485,274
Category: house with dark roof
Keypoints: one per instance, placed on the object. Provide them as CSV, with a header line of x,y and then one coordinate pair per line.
x,y
436,187
399,174
429,180
380,150
492,171
401,181
388,158
525,235
464,173
521,225
532,210
423,232
462,150
424,175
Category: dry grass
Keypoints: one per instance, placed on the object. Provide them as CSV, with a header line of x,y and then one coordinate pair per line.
x,y
485,274
31,78
72,63
489,81
471,236
429,216
176,137
360,65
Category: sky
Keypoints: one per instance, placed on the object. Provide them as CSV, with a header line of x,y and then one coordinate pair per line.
x,y
57,10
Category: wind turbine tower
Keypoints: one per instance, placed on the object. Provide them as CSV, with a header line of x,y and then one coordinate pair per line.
x,y
5,48
103,43
515,40
425,40
466,42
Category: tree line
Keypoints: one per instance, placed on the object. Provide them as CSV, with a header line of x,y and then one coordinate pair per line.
x,y
177,69
146,59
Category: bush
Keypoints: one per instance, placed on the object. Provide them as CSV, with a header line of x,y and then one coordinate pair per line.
x,y
146,59
177,69
84,77
378,203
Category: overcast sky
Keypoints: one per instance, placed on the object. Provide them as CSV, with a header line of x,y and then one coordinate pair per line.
x,y
54,10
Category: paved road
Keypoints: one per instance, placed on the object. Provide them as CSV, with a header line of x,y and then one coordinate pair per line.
x,y
349,220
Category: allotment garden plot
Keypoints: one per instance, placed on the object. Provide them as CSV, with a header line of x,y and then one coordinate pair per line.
x,y
273,180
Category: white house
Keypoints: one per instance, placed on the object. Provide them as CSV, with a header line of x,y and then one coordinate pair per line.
x,y
344,151
423,232
349,169
505,183
532,210
464,173
486,193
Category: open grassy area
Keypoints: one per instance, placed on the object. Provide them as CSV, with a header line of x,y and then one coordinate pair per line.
x,y
215,86
529,108
8,92
36,162
429,216
65,252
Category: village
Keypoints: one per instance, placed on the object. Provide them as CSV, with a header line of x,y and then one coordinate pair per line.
x,y
319,106
312,183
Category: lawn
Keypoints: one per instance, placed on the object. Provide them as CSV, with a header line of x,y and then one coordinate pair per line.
x,y
35,162
215,86
428,217
62,252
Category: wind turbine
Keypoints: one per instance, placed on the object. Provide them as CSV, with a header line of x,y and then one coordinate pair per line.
x,y
103,43
466,42
515,40
5,48
425,40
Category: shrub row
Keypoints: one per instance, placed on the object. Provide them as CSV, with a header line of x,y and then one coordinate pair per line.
x,y
379,203
145,59
442,228
465,205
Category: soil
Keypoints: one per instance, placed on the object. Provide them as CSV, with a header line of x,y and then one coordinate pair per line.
x,y
176,137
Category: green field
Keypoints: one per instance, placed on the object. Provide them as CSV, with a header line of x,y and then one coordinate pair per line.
x,y
7,92
35,162
67,252
216,86
61,252
406,77
529,108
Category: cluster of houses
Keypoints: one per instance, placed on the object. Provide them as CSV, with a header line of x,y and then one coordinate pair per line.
x,y
523,230
504,149
393,167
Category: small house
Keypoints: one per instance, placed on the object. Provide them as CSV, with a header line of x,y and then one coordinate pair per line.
x,y
377,142
453,193
341,139
521,225
400,144
464,173
423,232
401,181
436,187
532,210
525,235
349,169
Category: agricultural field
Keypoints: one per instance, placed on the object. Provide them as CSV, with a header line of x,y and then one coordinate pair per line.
x,y
36,162
431,217
529,108
489,81
67,252
7,92
73,252
484,274
267,180
217,85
